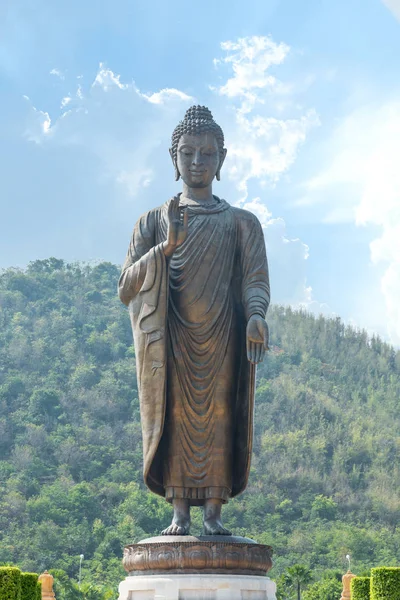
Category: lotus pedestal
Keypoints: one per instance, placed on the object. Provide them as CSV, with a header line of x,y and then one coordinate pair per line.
x,y
197,568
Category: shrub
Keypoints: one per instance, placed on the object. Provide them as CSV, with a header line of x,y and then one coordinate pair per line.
x,y
385,583
360,588
29,586
10,583
323,507
326,589
38,591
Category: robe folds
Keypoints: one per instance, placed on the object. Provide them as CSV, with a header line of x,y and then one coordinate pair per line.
x,y
189,315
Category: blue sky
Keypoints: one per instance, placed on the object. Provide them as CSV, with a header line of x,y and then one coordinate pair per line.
x,y
308,95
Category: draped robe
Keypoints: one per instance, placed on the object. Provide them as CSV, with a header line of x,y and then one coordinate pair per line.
x,y
189,315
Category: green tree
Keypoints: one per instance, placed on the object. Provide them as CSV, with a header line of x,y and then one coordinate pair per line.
x,y
326,589
323,507
324,477
298,576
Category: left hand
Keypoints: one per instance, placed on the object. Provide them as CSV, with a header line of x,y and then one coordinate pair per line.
x,y
257,337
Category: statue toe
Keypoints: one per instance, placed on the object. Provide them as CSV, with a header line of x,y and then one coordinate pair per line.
x,y
176,529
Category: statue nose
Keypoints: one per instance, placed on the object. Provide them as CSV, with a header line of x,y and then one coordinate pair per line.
x,y
197,159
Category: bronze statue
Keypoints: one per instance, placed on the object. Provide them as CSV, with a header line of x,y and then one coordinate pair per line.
x,y
196,283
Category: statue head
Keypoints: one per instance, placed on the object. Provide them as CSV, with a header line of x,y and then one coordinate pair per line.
x,y
197,150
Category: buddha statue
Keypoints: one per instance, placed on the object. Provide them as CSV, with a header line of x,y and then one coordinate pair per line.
x,y
196,282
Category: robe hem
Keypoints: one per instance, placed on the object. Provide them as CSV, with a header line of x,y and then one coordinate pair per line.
x,y
198,495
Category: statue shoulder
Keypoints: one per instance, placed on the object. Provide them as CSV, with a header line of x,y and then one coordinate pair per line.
x,y
153,212
245,216
152,216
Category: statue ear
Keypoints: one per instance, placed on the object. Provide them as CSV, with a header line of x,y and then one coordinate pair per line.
x,y
177,174
221,162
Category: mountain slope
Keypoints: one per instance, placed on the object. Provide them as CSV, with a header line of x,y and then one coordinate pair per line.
x,y
325,475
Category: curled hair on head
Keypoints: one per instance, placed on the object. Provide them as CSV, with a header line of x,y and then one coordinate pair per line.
x,y
197,119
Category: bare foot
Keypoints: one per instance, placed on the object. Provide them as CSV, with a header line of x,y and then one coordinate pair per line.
x,y
179,526
181,522
212,521
215,527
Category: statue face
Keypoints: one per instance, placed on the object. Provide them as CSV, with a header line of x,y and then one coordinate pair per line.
x,y
198,159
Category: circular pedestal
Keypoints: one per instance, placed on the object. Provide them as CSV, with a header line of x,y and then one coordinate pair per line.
x,y
184,555
197,587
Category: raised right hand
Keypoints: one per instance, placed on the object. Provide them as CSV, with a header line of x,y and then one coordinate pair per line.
x,y
177,228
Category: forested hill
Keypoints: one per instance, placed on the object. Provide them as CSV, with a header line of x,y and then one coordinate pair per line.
x,y
325,475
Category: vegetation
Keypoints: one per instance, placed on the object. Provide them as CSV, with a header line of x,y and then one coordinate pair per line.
x,y
325,472
328,588
296,578
29,586
360,588
15,585
10,583
385,583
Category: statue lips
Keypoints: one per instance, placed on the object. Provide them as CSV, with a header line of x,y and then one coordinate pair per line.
x,y
197,174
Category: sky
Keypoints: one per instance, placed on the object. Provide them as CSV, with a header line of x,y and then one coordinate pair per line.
x,y
308,96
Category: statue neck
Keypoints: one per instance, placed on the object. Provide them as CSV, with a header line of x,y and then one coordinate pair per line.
x,y
200,195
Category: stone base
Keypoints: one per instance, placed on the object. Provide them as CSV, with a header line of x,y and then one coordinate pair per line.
x,y
197,587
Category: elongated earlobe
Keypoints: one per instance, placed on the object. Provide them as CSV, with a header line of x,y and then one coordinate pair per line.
x,y
218,173
177,174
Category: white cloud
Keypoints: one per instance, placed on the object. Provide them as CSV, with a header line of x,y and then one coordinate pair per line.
x,y
358,148
264,139
360,183
65,101
262,146
116,122
166,95
380,205
83,175
260,210
266,147
39,125
57,73
393,6
124,135
287,258
106,79
250,59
